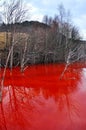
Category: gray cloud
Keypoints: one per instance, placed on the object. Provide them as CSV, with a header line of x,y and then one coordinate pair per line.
x,y
49,7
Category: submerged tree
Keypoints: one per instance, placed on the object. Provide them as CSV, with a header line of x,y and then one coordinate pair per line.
x,y
13,13
62,37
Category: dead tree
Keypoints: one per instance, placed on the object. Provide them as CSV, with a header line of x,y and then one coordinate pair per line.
x,y
13,13
4,72
23,56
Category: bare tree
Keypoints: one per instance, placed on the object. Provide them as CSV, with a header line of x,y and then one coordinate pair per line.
x,y
24,54
71,33
4,72
75,33
14,13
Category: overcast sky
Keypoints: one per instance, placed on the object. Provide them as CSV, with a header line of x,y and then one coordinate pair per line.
x,y
39,8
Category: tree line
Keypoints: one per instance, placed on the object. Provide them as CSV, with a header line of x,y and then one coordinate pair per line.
x,y
36,44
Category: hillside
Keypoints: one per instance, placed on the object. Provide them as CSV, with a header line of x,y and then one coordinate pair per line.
x,y
23,27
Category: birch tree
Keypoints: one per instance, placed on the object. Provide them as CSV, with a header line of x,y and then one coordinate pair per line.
x,y
14,12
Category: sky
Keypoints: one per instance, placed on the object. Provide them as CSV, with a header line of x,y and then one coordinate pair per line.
x,y
39,8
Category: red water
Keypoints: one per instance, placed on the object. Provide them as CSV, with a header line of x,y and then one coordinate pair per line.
x,y
39,100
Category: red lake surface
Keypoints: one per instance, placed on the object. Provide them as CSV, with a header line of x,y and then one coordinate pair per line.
x,y
38,99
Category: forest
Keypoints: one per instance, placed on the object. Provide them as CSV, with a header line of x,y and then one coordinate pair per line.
x,y
22,42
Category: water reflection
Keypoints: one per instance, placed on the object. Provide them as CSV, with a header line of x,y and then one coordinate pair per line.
x,y
21,106
29,105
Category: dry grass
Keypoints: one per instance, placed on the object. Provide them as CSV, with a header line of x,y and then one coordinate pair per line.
x,y
3,38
